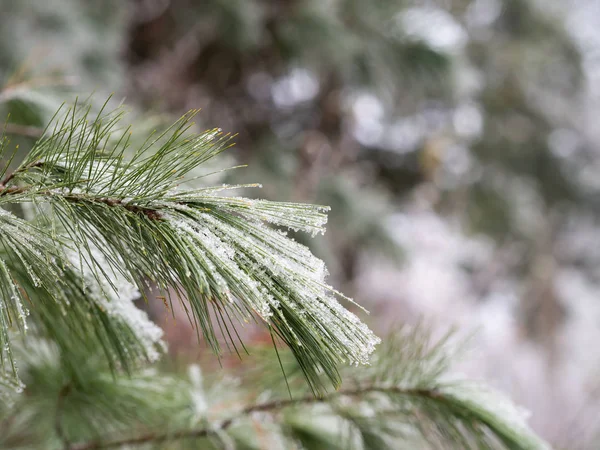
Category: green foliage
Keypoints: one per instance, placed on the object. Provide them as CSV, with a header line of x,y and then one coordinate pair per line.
x,y
403,400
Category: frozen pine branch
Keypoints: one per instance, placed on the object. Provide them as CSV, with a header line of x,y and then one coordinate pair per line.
x,y
118,216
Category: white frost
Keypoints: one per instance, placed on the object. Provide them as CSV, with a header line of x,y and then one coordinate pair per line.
x,y
115,294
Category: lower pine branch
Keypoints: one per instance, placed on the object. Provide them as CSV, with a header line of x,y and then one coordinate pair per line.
x,y
272,407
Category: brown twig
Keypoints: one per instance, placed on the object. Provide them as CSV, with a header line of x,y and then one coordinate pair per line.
x,y
8,178
58,428
23,130
152,214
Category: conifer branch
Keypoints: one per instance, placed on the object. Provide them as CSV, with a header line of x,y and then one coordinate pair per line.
x,y
273,407
402,390
126,207
404,396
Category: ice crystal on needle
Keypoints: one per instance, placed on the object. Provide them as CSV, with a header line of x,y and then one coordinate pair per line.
x,y
279,278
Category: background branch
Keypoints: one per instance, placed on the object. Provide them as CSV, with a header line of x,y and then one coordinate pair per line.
x,y
23,130
272,407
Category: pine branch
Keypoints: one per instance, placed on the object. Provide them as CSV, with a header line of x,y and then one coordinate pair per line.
x,y
273,407
381,409
127,208
402,398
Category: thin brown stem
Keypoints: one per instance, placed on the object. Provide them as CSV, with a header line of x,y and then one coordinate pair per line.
x,y
150,213
272,407
23,130
58,428
8,178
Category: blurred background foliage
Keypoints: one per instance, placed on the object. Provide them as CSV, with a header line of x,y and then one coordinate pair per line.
x,y
455,140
